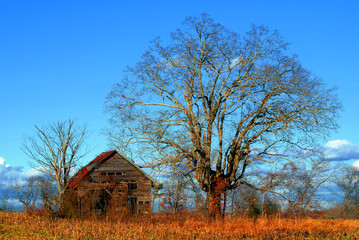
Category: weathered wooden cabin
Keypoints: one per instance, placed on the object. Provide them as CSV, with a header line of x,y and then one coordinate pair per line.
x,y
111,183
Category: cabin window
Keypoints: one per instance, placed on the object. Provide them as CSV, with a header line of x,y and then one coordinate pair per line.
x,y
111,173
144,202
132,186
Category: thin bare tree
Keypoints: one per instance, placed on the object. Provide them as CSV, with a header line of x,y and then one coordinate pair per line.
x,y
348,184
217,102
27,192
302,178
5,205
176,190
55,149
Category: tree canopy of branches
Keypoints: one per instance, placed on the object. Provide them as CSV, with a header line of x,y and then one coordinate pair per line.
x,y
218,101
55,149
301,178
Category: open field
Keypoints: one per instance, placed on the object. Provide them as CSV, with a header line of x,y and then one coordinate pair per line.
x,y
22,226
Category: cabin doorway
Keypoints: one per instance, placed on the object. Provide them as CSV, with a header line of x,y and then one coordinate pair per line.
x,y
132,202
103,198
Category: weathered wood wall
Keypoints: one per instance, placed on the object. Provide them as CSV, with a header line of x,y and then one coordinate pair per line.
x,y
121,171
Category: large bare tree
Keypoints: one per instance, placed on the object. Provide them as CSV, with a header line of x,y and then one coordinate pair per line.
x,y
55,149
220,102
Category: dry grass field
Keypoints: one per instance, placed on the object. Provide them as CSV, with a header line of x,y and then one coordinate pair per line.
x,y
22,226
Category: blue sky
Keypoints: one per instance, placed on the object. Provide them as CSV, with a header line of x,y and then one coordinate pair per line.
x,y
59,59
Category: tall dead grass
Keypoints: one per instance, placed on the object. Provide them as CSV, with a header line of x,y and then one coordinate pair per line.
x,y
24,226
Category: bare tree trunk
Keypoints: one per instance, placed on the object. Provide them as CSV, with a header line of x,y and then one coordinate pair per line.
x,y
213,205
224,204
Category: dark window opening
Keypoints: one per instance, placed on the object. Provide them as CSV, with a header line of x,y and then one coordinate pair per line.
x,y
111,173
132,186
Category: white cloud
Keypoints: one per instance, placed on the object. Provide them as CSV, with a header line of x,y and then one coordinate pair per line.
x,y
337,144
236,61
2,162
32,172
356,164
341,150
10,174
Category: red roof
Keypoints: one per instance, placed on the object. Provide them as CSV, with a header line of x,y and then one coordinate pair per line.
x,y
85,170
102,157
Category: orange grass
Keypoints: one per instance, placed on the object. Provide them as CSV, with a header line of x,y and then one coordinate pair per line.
x,y
23,226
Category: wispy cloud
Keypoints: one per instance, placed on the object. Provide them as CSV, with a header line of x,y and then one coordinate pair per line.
x,y
341,150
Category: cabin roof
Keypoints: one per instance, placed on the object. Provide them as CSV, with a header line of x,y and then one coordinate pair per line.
x,y
83,172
